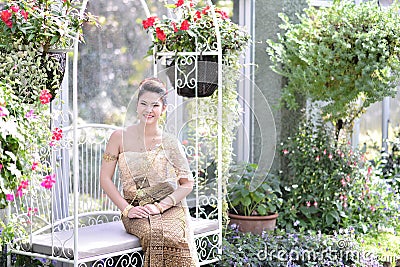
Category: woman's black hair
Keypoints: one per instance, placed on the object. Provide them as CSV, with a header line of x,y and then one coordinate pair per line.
x,y
153,85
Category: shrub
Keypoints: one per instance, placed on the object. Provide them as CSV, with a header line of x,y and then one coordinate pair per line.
x,y
289,249
329,185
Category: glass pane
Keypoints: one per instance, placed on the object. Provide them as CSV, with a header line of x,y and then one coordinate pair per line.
x,y
112,61
371,130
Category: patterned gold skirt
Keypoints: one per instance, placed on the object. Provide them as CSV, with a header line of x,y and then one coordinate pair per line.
x,y
164,238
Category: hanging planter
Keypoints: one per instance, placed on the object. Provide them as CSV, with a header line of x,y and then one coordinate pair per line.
x,y
194,77
54,64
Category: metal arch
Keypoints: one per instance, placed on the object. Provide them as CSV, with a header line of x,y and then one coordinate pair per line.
x,y
219,112
75,136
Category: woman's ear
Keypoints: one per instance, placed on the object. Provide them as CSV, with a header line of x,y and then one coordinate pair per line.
x,y
164,108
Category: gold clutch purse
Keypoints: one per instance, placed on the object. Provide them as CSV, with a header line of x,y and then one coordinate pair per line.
x,y
156,193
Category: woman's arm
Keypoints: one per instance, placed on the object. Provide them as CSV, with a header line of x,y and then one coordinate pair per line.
x,y
107,170
183,190
185,178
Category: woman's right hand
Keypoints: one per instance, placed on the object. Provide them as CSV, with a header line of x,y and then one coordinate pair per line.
x,y
138,212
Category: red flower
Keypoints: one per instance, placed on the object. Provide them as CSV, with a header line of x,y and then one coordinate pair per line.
x,y
185,25
149,22
6,17
197,15
57,134
45,97
205,10
174,25
222,13
179,3
160,34
24,14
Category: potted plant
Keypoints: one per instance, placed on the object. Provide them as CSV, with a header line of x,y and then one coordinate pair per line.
x,y
193,30
253,210
29,79
43,25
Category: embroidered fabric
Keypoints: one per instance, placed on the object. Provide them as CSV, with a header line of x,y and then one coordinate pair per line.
x,y
163,243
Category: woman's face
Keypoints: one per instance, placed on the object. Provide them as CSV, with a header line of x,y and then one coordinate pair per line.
x,y
150,107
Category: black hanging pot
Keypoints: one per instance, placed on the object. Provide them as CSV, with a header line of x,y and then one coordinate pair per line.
x,y
186,82
54,64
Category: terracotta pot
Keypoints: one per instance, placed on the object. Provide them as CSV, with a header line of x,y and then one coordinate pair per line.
x,y
254,224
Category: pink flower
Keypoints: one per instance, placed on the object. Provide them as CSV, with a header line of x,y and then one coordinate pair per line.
x,y
33,210
24,184
285,151
330,156
10,197
369,171
4,111
15,9
315,204
20,193
1,166
317,158
324,151
308,204
24,14
30,114
34,166
372,208
45,97
185,142
343,182
48,181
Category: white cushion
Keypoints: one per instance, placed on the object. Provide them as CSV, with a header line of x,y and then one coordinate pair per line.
x,y
100,239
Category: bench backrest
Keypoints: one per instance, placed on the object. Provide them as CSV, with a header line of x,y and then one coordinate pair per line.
x,y
44,209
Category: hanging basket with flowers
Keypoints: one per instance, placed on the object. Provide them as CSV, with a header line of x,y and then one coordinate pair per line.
x,y
192,29
44,25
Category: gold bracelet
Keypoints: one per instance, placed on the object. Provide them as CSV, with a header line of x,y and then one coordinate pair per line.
x,y
159,207
173,199
126,210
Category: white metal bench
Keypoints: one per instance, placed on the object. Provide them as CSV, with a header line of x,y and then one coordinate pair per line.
x,y
92,235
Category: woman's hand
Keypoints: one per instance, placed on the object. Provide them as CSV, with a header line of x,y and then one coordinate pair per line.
x,y
152,209
138,212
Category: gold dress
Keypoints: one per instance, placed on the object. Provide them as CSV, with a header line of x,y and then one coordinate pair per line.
x,y
166,238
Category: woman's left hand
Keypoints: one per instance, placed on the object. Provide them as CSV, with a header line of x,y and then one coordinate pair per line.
x,y
152,209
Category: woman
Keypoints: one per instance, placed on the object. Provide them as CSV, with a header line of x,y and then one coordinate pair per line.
x,y
156,178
